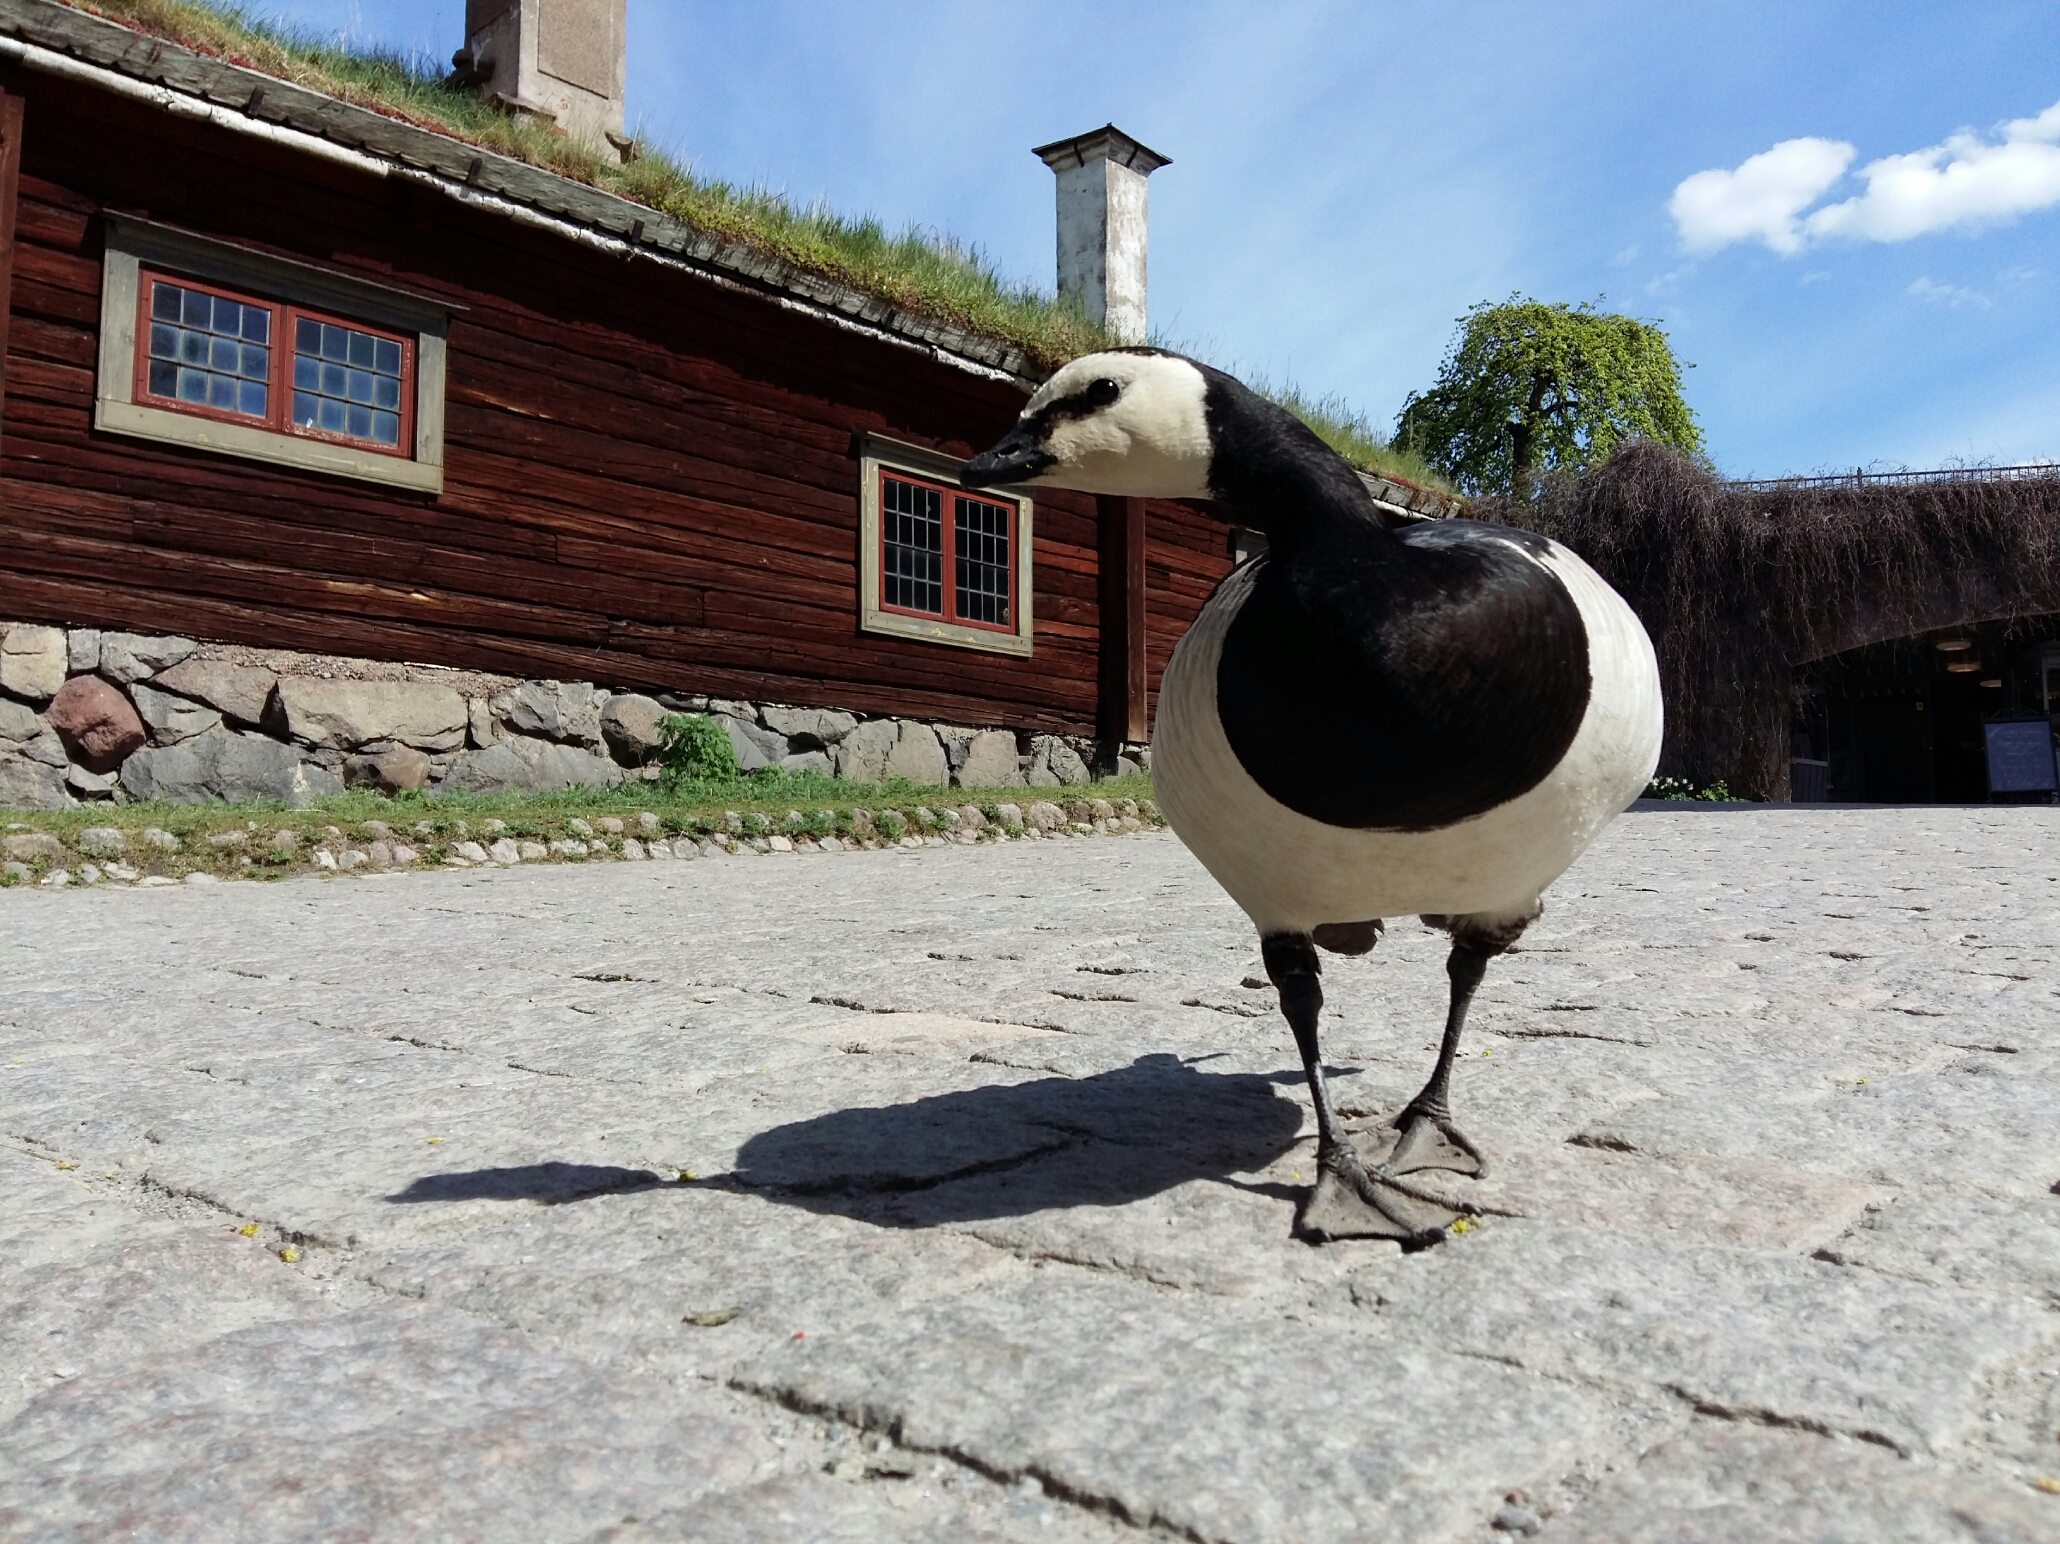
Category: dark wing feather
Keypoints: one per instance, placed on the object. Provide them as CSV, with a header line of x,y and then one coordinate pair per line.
x,y
1405,696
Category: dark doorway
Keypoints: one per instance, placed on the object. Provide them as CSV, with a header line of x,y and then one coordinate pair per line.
x,y
1901,722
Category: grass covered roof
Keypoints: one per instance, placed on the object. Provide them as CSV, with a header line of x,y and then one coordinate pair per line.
x,y
923,272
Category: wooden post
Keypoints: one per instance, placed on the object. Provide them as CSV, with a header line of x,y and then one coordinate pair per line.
x,y
1122,716
10,184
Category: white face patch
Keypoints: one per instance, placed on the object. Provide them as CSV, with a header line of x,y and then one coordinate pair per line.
x,y
1151,442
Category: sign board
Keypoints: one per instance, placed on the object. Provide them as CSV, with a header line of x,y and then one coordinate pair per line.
x,y
2020,756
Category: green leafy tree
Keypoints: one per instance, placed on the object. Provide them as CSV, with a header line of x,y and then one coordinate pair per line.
x,y
1529,387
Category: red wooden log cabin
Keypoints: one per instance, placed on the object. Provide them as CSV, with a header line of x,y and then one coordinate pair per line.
x,y
288,372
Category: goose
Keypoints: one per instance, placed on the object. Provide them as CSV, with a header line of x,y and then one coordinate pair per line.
x,y
1361,722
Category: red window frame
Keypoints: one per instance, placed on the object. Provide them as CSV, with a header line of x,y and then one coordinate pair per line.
x,y
278,418
948,589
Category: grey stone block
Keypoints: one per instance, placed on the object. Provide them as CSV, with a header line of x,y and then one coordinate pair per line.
x,y
918,755
33,660
343,715
990,762
390,771
809,728
225,764
1723,1482
31,785
171,719
21,846
1110,1394
82,650
18,721
420,1419
1054,764
747,742
46,749
481,727
239,692
178,774
1801,1342
862,753
132,657
629,723
526,765
551,710
91,785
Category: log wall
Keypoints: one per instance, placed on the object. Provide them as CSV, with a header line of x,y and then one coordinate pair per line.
x,y
648,477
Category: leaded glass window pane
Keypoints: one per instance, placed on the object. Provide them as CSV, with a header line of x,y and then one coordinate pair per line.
x,y
209,350
912,546
346,382
980,533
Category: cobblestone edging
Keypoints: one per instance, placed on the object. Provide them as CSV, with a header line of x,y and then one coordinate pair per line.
x,y
154,857
91,715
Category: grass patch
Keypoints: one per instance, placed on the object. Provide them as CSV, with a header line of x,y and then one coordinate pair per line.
x,y
240,840
921,271
918,270
1356,437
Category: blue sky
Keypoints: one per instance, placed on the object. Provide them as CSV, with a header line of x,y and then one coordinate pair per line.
x,y
1349,178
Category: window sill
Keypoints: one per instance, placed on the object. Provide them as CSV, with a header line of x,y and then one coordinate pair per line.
x,y
957,635
166,427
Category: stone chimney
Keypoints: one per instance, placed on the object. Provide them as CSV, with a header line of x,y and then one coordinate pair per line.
x,y
558,60
1102,225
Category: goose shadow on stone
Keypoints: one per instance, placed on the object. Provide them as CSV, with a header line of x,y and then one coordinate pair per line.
x,y
552,1183
1010,1149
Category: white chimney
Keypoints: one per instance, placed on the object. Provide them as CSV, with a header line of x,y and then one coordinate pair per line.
x,y
1102,225
559,60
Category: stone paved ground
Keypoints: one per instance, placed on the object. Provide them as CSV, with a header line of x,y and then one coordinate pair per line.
x,y
993,1155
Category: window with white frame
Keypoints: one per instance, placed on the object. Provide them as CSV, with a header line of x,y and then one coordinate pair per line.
x,y
937,561
210,345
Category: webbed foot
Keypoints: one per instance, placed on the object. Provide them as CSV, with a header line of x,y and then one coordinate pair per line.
x,y
1349,1201
1428,1141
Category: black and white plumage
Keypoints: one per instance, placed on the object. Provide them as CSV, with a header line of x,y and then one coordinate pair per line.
x,y
1362,722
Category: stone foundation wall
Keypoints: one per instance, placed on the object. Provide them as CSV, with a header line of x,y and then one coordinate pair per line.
x,y
88,714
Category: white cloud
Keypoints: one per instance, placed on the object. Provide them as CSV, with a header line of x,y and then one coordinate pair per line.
x,y
1961,182
1954,296
1761,198
1965,181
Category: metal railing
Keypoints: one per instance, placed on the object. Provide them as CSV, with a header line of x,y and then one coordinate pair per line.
x,y
1859,477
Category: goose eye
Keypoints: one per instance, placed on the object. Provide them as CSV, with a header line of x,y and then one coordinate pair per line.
x,y
1100,393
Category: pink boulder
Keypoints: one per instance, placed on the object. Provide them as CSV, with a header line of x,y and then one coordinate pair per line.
x,y
96,722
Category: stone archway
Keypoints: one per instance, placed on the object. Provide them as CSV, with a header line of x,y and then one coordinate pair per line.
x,y
1742,583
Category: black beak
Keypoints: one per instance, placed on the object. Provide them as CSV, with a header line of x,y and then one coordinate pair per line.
x,y
1017,458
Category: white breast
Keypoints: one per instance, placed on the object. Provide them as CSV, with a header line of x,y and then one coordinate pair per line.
x,y
1290,872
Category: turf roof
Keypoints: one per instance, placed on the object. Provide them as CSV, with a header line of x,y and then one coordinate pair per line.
x,y
919,271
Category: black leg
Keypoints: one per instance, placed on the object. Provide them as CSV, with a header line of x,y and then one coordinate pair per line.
x,y
1347,1202
1429,1139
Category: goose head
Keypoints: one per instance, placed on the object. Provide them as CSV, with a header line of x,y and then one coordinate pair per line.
x,y
1124,421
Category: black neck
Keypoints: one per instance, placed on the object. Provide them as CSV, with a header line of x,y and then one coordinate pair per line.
x,y
1271,469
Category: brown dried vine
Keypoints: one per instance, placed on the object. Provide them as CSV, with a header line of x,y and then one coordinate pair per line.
x,y
1739,584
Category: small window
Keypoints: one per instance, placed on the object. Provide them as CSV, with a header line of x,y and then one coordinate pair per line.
x,y
945,553
348,382
213,346
938,561
213,352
